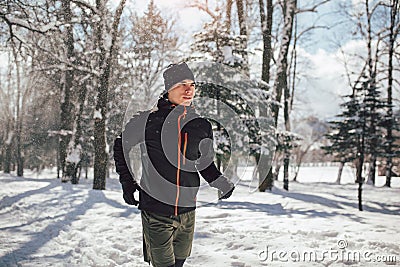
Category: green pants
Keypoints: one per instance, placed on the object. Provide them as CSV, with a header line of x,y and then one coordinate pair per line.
x,y
167,238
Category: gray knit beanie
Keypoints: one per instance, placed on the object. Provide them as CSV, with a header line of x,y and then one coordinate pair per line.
x,y
176,73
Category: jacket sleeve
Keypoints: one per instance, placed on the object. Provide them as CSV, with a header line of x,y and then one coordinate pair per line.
x,y
132,135
206,164
211,173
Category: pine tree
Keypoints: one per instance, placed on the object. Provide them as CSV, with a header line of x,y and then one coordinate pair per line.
x,y
374,132
341,136
390,146
216,43
353,134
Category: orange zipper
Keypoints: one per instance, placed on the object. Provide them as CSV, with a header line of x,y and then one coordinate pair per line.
x,y
178,171
184,148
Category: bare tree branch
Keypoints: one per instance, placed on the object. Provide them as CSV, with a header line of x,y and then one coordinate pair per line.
x,y
204,7
310,29
313,8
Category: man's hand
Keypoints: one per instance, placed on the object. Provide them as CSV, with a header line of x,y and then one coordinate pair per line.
x,y
227,194
128,188
224,185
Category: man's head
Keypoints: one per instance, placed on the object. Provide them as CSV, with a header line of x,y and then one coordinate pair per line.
x,y
179,84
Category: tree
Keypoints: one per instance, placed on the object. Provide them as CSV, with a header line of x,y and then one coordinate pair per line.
x,y
394,29
152,46
243,33
105,62
353,134
369,22
266,27
281,82
341,146
217,42
17,25
66,116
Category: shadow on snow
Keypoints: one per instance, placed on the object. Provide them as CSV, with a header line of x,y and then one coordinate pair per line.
x,y
59,222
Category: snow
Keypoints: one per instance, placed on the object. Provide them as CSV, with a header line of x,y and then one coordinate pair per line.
x,y
45,222
74,154
97,114
60,132
9,138
228,55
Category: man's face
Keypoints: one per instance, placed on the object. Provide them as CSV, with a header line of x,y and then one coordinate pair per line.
x,y
182,93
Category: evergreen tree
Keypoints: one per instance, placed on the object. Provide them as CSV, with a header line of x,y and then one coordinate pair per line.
x,y
149,46
374,132
390,146
217,44
354,133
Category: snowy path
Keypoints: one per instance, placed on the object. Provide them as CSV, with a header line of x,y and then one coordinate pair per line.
x,y
46,223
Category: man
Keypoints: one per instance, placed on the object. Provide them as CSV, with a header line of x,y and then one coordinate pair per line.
x,y
175,144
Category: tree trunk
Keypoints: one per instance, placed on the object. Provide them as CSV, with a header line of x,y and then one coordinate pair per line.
x,y
75,146
281,83
372,170
276,173
105,62
58,161
66,117
243,32
228,24
18,119
360,207
359,180
10,120
389,129
294,62
339,177
282,67
266,181
7,156
266,28
371,84
286,172
287,128
266,178
2,159
360,160
300,158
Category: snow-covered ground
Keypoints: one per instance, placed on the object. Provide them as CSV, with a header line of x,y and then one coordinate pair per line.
x,y
46,223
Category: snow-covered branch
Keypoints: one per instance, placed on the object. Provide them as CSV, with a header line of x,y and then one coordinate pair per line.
x,y
12,21
85,4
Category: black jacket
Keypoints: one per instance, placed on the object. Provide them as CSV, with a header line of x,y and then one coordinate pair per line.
x,y
170,179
